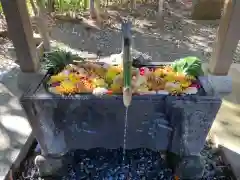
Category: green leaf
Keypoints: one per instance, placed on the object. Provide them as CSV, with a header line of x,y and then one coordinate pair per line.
x,y
189,65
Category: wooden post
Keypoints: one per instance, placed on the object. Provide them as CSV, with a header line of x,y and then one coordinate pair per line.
x,y
43,26
227,39
21,34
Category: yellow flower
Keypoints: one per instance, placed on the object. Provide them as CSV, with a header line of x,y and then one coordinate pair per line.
x,y
173,88
112,72
99,82
73,78
84,86
116,88
185,84
57,78
159,72
170,77
66,87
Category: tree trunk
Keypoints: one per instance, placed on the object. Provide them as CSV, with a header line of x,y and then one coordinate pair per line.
x,y
133,4
160,8
50,5
92,9
86,4
207,9
98,11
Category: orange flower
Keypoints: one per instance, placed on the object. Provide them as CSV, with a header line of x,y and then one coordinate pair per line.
x,y
84,86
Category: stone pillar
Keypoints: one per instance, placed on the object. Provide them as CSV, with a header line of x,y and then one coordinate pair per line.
x,y
227,39
203,9
21,34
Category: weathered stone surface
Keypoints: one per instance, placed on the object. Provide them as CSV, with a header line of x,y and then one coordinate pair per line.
x,y
178,124
91,120
191,117
61,121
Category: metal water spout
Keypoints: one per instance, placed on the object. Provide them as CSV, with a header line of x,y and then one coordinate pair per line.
x,y
127,63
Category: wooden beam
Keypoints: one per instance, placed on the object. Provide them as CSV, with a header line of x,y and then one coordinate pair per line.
x,y
21,34
227,39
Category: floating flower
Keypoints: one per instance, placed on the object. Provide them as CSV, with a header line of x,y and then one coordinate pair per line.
x,y
84,86
66,72
74,78
111,74
66,87
191,90
100,91
99,82
116,88
195,85
55,84
159,72
57,78
174,88
185,84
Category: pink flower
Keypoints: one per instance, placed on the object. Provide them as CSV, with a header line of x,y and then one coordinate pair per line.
x,y
141,71
195,85
55,84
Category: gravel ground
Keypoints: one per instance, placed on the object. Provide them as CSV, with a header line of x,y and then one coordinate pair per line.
x,y
7,62
141,164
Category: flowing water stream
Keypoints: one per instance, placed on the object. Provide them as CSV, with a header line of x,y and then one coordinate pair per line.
x,y
125,133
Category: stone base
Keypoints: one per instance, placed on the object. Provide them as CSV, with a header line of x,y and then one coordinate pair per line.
x,y
190,167
48,166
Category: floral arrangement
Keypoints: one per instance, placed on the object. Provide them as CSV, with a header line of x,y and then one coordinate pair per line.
x,y
94,78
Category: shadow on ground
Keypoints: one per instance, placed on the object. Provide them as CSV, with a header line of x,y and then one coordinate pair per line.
x,y
178,36
14,128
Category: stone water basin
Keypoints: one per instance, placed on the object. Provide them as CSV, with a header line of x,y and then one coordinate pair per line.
x,y
176,124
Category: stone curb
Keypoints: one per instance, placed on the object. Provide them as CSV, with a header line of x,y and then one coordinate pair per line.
x,y
227,162
225,157
20,157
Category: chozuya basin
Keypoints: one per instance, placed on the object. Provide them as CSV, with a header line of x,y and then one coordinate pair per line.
x,y
177,124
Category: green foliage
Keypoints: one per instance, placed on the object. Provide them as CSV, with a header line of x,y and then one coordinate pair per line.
x,y
189,65
70,5
1,10
57,60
